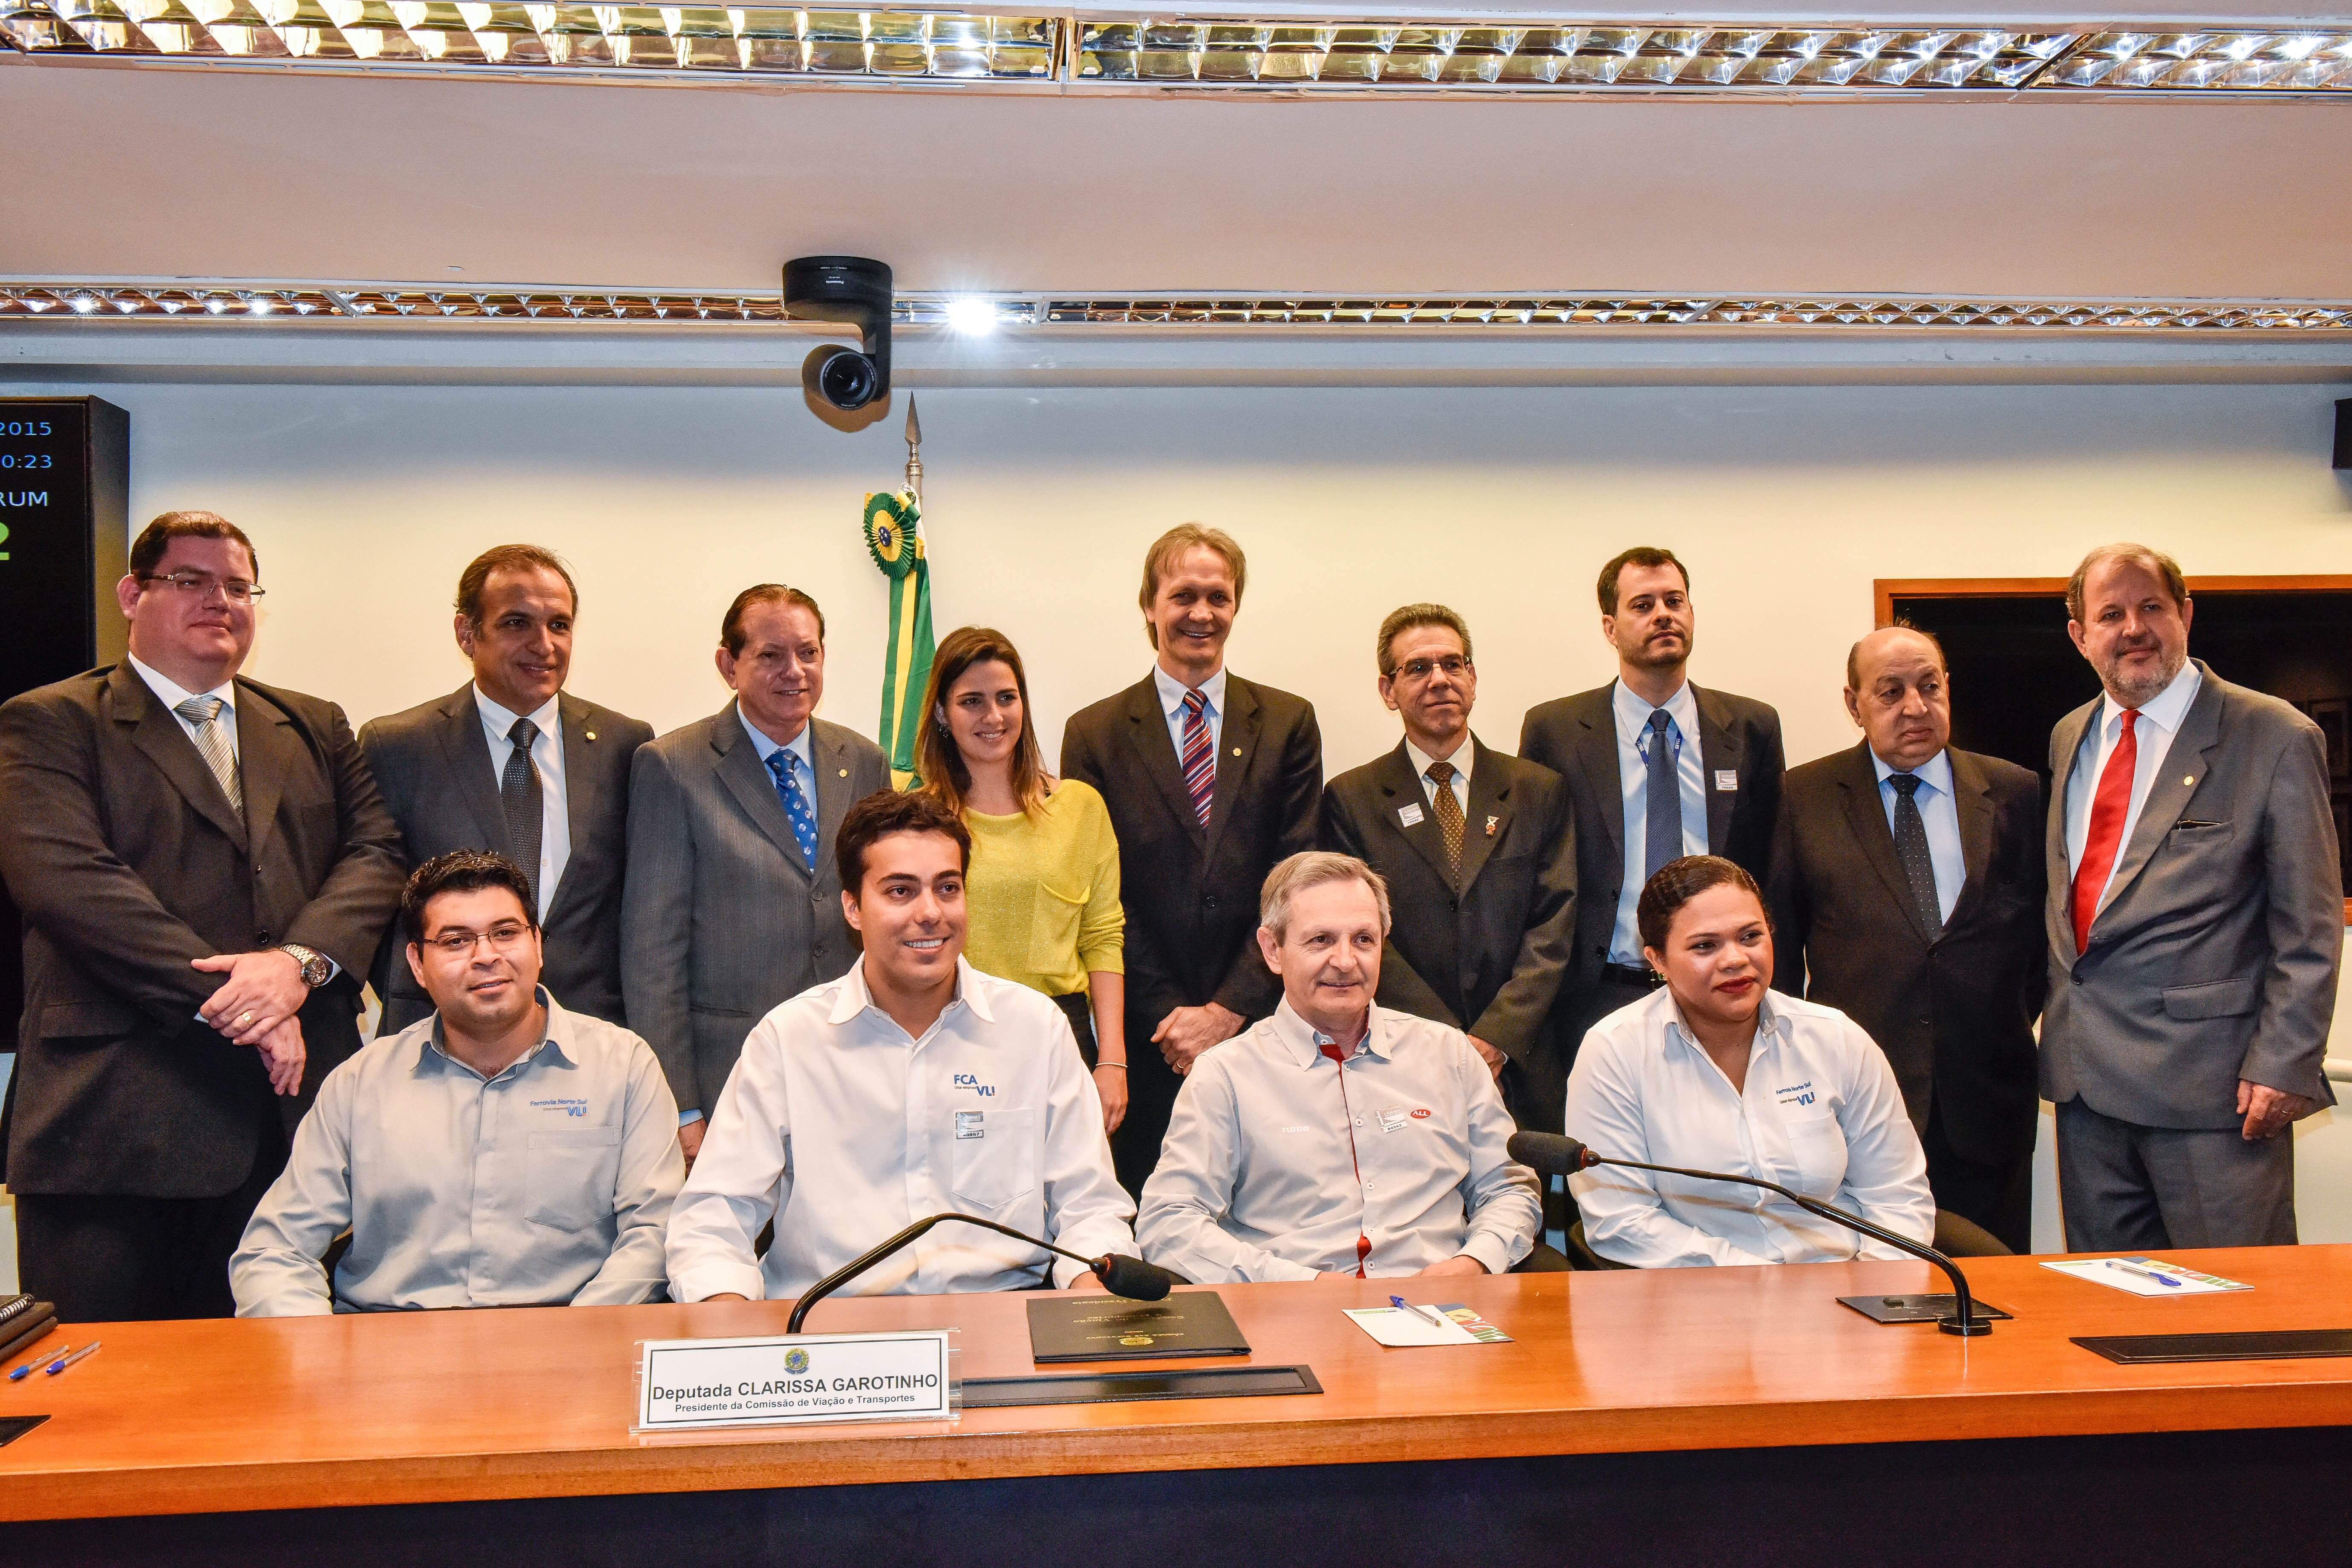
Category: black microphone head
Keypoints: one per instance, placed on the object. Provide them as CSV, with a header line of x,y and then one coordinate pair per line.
x,y
1548,1153
1133,1277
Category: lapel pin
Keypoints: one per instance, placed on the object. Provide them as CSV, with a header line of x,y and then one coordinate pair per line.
x,y
590,733
1237,750
844,773
1491,824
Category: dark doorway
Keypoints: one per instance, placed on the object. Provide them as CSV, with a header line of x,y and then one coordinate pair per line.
x,y
2015,672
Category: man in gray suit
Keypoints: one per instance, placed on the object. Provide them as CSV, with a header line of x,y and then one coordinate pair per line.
x,y
733,904
2196,920
512,763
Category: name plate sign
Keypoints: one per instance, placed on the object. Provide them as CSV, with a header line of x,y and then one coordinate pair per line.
x,y
788,1380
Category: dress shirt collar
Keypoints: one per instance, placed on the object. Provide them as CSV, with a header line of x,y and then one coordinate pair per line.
x,y
173,693
798,745
1633,713
558,1025
857,997
1768,1024
501,723
1304,1043
1936,772
1171,691
2166,709
1464,755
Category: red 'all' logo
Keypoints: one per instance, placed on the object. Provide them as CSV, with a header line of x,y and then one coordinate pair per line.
x,y
1420,1115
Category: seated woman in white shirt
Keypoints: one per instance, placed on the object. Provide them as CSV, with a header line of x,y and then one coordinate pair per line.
x,y
1716,1072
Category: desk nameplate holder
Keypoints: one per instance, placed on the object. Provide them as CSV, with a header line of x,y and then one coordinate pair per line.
x,y
2262,1344
1927,1308
1121,1387
795,1380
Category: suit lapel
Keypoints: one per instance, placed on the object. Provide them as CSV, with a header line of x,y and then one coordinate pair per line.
x,y
1147,726
1596,754
1972,794
1490,800
2168,794
2067,742
1236,750
1866,817
157,732
582,784
746,778
466,749
1718,752
266,754
1401,788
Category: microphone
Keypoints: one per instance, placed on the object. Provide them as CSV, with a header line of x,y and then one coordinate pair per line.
x,y
1550,1154
1121,1275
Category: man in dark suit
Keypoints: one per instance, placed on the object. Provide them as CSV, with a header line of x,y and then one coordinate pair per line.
x,y
1479,852
1210,780
204,866
512,763
732,903
2196,912
1710,760
1907,892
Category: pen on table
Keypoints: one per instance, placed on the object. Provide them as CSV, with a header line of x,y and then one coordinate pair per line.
x,y
40,1360
61,1363
2143,1273
1402,1305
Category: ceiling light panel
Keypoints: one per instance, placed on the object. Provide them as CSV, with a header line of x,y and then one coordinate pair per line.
x,y
757,41
2223,59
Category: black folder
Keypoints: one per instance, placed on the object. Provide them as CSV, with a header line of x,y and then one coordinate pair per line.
x,y
1107,1328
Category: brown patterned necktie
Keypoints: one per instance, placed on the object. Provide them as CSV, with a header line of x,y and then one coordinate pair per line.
x,y
1449,818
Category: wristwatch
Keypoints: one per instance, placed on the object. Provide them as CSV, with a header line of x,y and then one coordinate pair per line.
x,y
316,970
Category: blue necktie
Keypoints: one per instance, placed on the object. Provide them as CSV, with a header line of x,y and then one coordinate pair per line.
x,y
785,765
1665,809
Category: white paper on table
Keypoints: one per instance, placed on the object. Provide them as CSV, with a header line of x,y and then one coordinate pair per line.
x,y
2103,1271
1391,1327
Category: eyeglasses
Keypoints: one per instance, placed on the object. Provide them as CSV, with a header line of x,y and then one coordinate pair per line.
x,y
503,937
1453,665
236,590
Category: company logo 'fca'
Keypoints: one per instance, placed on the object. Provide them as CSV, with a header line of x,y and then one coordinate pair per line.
x,y
967,1080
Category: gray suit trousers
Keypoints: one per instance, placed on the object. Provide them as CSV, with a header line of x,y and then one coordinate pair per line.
x,y
2128,1188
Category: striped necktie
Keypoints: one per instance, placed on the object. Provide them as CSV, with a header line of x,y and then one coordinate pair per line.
x,y
1199,758
213,745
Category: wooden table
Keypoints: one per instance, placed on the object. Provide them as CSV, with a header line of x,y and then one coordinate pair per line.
x,y
1751,1409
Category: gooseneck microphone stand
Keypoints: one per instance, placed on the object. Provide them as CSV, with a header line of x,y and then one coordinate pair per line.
x,y
1121,1275
1566,1154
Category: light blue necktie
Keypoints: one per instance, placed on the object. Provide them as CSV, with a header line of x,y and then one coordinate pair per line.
x,y
786,766
1664,835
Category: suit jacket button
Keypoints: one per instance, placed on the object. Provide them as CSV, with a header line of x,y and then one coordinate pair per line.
x,y
1208,901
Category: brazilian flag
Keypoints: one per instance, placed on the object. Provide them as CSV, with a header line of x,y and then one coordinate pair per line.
x,y
893,536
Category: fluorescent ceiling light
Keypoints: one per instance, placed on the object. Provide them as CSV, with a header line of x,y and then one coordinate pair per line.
x,y
970,315
358,305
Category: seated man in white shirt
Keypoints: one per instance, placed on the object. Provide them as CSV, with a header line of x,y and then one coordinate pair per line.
x,y
1336,1138
913,1085
1715,1071
499,1152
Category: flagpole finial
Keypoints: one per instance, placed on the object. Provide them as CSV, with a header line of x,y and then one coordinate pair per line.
x,y
914,452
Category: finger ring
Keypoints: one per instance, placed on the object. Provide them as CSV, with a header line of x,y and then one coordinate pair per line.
x,y
244,1017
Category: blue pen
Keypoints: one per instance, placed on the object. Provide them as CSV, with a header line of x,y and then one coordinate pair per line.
x,y
38,1361
1402,1305
64,1362
2143,1273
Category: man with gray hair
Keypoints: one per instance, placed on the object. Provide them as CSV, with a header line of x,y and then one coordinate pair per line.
x,y
2196,921
1388,1161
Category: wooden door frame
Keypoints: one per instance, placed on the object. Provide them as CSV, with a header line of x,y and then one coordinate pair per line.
x,y
1884,591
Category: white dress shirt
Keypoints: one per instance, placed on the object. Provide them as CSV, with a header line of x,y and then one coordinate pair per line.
x,y
172,694
1820,1115
1171,704
801,746
547,756
1277,1158
2159,720
1464,755
845,1131
548,1183
1939,814
1632,716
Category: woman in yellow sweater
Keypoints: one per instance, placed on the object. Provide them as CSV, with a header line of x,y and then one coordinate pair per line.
x,y
1041,898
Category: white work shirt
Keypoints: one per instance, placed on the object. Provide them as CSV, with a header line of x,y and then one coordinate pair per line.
x,y
1172,705
548,1183
1464,755
547,756
1821,1115
172,693
2159,720
845,1131
1632,716
1939,814
1278,1158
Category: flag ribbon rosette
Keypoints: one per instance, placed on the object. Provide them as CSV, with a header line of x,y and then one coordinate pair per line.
x,y
894,538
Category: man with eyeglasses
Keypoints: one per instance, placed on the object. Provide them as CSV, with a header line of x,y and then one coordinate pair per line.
x,y
204,864
503,1152
1480,852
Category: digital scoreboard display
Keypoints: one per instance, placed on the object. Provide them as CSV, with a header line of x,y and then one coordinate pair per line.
x,y
65,542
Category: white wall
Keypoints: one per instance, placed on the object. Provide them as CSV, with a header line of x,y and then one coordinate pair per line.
x,y
1786,501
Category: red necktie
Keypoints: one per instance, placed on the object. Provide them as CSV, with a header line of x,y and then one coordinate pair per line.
x,y
2109,809
1338,1059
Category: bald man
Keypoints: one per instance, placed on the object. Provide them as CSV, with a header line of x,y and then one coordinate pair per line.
x,y
1906,890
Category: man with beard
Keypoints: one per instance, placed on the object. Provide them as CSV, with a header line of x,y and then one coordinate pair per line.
x,y
1657,768
2196,921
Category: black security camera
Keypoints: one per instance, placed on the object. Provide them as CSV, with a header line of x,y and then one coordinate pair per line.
x,y
848,289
